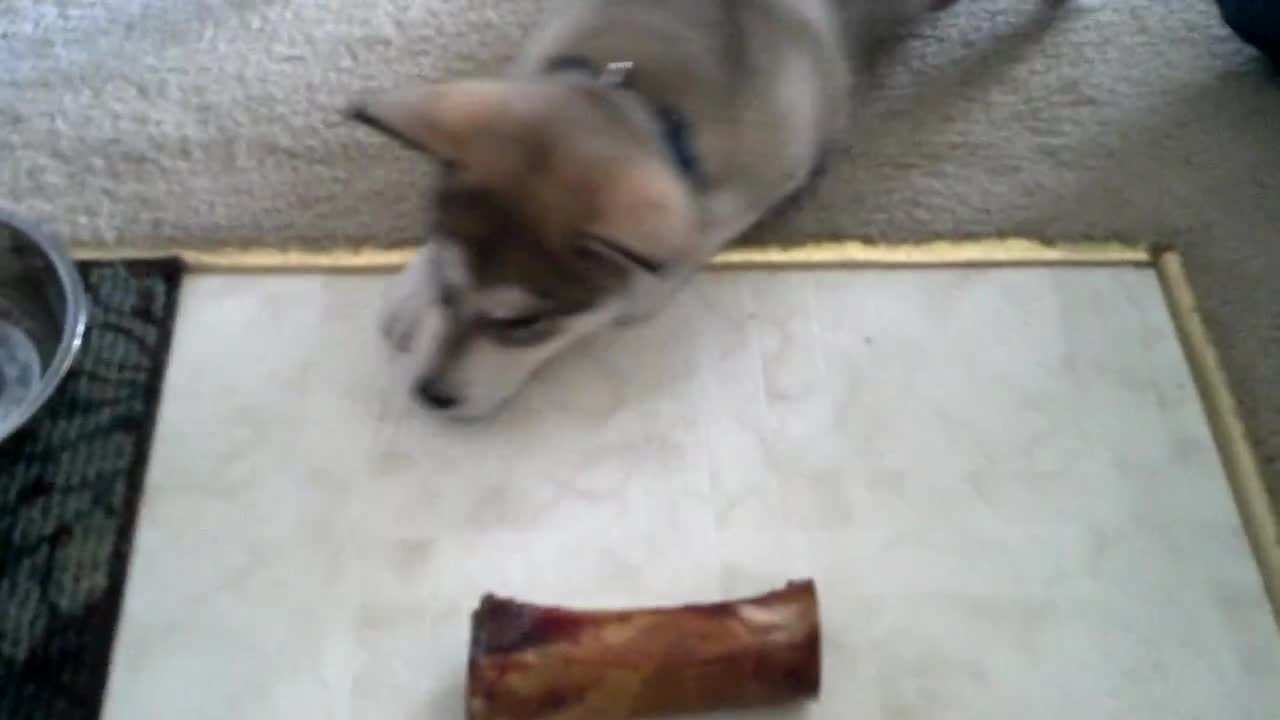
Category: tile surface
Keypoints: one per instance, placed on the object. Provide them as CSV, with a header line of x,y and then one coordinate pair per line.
x,y
1001,479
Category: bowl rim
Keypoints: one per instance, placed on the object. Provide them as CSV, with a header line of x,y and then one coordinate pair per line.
x,y
74,321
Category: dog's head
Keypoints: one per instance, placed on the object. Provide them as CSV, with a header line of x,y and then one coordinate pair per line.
x,y
556,213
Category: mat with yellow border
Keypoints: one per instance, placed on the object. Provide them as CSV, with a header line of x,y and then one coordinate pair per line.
x,y
1257,509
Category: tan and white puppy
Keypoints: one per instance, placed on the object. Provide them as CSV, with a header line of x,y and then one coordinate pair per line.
x,y
631,141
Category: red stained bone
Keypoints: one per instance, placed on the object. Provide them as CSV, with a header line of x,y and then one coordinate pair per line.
x,y
531,662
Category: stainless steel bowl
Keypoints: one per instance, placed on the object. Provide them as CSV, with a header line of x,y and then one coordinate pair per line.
x,y
43,312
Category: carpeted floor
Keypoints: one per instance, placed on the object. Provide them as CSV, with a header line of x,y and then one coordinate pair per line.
x,y
216,120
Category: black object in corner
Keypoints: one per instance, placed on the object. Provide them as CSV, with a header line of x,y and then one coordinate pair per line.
x,y
1257,22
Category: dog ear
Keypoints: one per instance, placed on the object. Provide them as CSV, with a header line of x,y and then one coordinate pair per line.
x,y
433,119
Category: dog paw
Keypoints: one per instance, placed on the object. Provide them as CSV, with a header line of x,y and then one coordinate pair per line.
x,y
400,324
407,305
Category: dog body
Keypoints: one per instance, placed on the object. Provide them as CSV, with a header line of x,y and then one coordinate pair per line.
x,y
630,142
764,84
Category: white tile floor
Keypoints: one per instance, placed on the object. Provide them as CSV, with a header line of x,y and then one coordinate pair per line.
x,y
1001,479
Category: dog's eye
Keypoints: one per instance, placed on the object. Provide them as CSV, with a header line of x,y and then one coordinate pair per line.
x,y
519,324
593,249
521,330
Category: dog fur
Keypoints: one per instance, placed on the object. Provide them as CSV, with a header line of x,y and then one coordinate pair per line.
x,y
560,209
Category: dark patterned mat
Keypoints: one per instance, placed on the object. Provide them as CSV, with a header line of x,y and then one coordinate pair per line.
x,y
70,483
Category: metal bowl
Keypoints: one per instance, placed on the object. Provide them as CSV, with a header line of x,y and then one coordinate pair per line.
x,y
43,312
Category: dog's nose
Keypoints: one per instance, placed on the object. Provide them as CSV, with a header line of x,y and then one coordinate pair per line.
x,y
435,397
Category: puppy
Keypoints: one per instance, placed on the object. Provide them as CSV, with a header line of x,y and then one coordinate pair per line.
x,y
630,142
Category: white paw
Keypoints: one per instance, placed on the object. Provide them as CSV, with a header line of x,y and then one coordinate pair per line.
x,y
409,300
400,323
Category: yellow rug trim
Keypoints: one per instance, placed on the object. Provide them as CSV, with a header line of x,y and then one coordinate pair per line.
x,y
830,253
1229,430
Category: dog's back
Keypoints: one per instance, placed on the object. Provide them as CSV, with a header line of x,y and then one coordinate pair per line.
x,y
764,82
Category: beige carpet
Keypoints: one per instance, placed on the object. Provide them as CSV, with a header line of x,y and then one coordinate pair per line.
x,y
150,121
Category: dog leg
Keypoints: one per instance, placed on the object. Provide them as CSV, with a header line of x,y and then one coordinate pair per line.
x,y
409,300
878,27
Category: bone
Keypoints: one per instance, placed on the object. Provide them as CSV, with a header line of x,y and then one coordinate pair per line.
x,y
531,662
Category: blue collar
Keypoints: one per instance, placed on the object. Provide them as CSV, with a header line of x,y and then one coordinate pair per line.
x,y
676,134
